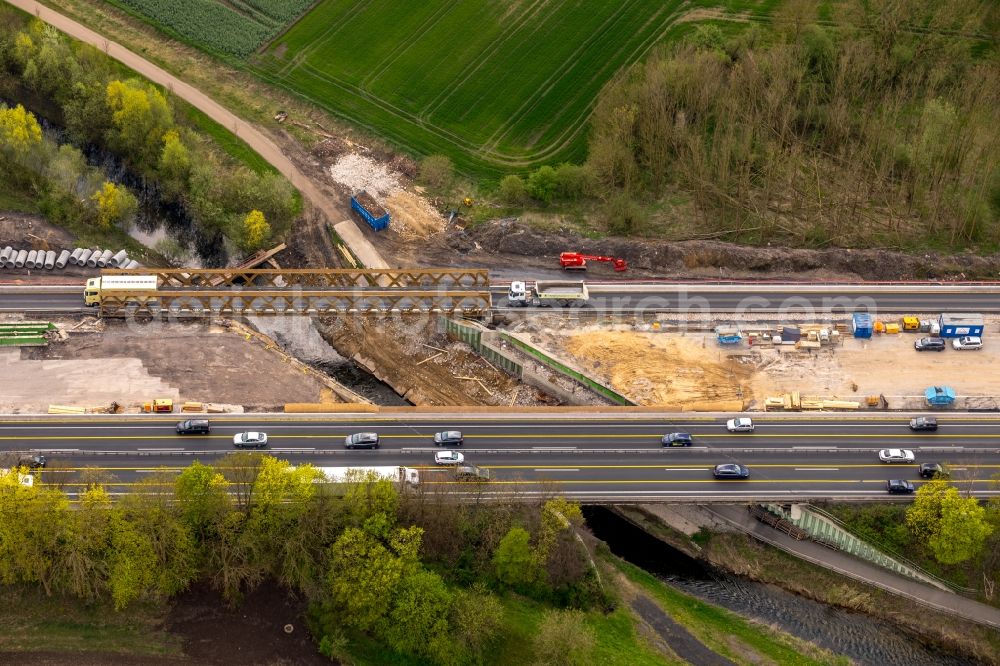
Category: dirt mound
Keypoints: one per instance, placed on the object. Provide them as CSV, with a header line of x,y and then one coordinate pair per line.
x,y
667,258
652,369
252,633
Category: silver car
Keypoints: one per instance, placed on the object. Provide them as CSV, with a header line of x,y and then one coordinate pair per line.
x,y
896,456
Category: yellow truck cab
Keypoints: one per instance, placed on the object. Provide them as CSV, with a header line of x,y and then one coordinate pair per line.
x,y
92,294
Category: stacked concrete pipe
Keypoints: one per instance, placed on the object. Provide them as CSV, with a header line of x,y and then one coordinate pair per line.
x,y
5,256
75,256
30,260
84,257
119,259
22,256
62,259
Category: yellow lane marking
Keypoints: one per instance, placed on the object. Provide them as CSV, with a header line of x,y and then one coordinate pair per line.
x,y
727,482
518,436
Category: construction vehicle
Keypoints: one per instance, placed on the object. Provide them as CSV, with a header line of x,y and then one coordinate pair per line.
x,y
574,261
158,406
551,292
98,287
401,475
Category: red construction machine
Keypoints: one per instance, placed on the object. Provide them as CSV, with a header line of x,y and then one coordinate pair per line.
x,y
574,261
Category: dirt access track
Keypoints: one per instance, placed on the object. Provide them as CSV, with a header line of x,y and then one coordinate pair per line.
x,y
128,364
248,132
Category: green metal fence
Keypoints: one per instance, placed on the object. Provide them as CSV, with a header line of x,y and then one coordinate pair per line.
x,y
561,368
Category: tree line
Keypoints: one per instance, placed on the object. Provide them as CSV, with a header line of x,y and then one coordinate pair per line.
x,y
83,91
414,569
878,126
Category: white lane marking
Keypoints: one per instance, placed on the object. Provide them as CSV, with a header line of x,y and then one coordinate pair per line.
x,y
159,449
555,469
817,469
554,448
826,448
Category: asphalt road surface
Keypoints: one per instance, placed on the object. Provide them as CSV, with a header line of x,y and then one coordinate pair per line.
x,y
599,459
821,301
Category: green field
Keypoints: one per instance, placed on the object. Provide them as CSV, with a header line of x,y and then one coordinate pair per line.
x,y
495,85
498,86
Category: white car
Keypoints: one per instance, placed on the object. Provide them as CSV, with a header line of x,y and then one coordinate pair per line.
x,y
967,342
449,458
250,440
742,424
896,456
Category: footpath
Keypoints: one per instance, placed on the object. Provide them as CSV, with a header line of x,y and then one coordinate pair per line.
x,y
847,565
264,146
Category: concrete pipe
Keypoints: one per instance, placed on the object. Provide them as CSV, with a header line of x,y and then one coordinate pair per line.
x,y
75,257
5,256
29,261
132,264
84,257
50,260
119,259
102,260
22,256
63,258
92,259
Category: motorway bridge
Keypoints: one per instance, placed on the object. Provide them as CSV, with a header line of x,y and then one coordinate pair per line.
x,y
761,298
609,457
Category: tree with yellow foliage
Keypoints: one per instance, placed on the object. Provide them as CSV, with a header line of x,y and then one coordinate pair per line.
x,y
114,204
19,133
140,117
256,230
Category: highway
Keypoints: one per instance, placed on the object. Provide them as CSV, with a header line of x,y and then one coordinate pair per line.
x,y
651,297
596,458
788,298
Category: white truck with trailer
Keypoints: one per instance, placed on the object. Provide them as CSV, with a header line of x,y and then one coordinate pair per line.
x,y
564,293
396,474
98,287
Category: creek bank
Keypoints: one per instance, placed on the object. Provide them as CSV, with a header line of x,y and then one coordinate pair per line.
x,y
734,571
509,242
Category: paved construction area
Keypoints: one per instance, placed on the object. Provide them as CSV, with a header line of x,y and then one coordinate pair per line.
x,y
132,363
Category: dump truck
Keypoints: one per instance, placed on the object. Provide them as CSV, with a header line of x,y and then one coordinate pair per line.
x,y
401,475
98,287
547,292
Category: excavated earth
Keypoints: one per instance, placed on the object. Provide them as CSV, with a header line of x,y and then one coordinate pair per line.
x,y
694,257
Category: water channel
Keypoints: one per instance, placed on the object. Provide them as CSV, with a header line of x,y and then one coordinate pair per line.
x,y
862,637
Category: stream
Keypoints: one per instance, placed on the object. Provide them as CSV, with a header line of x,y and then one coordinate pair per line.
x,y
862,637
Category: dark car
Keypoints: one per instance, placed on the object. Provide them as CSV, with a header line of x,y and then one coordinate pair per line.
x,y
193,427
32,462
731,471
923,423
677,439
930,470
448,438
899,487
929,344
471,473
362,440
